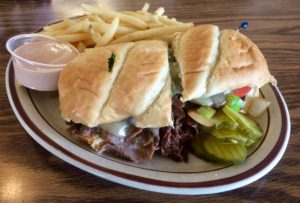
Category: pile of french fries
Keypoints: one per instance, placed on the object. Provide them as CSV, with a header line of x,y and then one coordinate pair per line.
x,y
101,26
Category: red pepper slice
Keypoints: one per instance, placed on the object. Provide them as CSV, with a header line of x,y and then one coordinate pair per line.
x,y
241,92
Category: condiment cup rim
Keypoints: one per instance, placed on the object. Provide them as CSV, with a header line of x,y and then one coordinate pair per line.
x,y
55,66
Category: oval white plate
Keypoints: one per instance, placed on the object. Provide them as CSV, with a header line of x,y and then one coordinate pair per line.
x,y
38,112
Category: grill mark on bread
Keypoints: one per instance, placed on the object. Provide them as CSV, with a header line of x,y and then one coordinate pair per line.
x,y
193,72
87,90
149,73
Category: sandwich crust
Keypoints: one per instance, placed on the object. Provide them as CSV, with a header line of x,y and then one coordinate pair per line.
x,y
240,64
159,114
85,83
142,78
196,53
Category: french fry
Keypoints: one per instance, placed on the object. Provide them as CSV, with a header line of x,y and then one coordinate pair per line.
x,y
160,11
142,17
144,34
121,30
100,10
102,26
78,27
99,27
146,7
108,35
69,22
95,18
64,24
132,13
74,37
167,38
96,37
146,17
155,24
56,26
51,33
165,20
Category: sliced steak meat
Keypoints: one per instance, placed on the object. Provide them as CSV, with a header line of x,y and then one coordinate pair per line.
x,y
138,145
141,144
175,141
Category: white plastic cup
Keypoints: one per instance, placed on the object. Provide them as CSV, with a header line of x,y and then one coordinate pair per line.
x,y
31,74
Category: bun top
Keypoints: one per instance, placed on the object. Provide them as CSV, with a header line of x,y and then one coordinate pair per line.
x,y
240,64
196,52
140,82
85,83
91,95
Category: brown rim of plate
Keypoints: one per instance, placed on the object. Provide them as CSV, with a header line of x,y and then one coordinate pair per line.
x,y
247,174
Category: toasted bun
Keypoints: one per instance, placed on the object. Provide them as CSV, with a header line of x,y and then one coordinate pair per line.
x,y
240,64
196,52
159,114
84,84
142,78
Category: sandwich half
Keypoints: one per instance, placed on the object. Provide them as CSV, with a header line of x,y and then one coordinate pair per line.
x,y
213,63
118,111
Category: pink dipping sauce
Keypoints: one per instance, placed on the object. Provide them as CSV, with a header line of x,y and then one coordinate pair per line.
x,y
46,52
